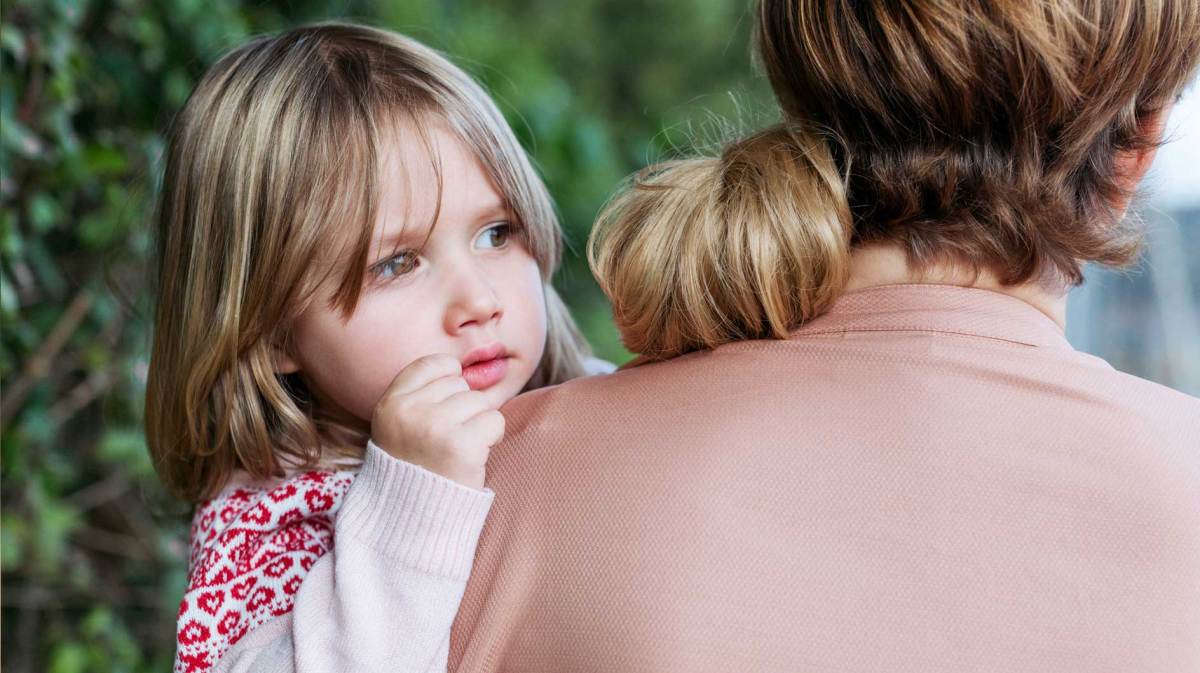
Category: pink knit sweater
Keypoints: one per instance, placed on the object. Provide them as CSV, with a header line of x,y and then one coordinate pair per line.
x,y
263,564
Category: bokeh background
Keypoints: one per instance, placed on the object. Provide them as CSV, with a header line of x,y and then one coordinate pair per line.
x,y
92,550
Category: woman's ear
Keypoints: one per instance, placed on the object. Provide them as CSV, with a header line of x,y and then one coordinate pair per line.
x,y
1132,165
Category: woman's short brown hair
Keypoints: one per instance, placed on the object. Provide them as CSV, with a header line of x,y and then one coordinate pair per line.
x,y
984,132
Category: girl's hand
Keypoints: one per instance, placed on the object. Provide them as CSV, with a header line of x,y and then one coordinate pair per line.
x,y
430,417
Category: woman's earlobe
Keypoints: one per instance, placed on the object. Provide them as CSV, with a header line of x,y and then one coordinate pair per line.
x,y
1131,165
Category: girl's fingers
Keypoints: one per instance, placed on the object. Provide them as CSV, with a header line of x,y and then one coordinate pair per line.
x,y
487,427
439,390
460,407
422,371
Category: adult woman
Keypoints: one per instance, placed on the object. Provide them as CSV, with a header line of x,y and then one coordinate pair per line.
x,y
927,477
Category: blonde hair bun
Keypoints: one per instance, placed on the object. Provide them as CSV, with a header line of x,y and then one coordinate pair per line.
x,y
698,252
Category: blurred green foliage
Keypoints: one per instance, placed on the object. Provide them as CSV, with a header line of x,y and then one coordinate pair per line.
x,y
93,551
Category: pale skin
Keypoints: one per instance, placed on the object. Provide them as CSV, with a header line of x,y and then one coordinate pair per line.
x,y
435,301
883,264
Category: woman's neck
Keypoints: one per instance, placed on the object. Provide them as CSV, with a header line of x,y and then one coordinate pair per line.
x,y
880,264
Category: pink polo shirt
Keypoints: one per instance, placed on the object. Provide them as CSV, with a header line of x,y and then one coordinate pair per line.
x,y
926,479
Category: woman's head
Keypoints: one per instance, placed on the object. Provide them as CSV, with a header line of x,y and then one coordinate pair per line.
x,y
338,200
986,132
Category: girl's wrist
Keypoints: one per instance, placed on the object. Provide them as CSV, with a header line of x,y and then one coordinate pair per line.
x,y
469,476
414,516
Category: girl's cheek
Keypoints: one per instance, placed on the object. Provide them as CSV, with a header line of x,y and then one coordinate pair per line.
x,y
535,292
378,341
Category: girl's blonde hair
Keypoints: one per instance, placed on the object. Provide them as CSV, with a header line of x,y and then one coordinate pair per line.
x,y
698,252
276,156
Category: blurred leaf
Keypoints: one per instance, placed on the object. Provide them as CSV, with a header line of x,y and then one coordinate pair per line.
x,y
68,657
71,10
103,161
17,138
36,427
127,448
54,522
13,532
8,297
44,212
13,42
42,259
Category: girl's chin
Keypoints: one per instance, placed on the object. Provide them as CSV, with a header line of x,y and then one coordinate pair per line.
x,y
510,387
499,394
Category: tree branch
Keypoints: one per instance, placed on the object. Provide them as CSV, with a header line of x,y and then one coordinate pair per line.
x,y
38,366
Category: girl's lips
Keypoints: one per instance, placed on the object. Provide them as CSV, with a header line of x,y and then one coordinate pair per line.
x,y
485,373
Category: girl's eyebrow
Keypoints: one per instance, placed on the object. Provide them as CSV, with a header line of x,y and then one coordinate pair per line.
x,y
409,237
493,208
405,239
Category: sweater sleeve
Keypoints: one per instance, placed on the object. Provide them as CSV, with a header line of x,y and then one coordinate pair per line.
x,y
385,596
593,366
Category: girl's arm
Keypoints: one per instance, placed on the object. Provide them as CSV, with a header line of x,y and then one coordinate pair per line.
x,y
385,597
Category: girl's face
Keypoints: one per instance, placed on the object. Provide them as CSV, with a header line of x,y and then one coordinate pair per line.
x,y
473,290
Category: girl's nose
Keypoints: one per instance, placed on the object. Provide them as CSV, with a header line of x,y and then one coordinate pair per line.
x,y
473,300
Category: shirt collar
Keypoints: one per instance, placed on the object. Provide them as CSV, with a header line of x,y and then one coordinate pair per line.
x,y
948,309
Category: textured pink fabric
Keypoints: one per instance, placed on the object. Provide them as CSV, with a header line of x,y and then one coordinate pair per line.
x,y
927,479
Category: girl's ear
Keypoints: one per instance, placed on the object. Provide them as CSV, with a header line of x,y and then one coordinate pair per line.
x,y
284,362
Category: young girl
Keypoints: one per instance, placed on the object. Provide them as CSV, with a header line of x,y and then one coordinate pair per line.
x,y
354,257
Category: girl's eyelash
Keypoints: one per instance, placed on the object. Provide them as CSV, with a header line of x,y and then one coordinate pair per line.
x,y
513,228
506,227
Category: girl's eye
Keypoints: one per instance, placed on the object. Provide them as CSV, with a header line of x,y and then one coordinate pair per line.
x,y
495,236
397,266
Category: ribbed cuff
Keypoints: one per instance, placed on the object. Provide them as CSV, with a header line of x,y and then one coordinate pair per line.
x,y
414,516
